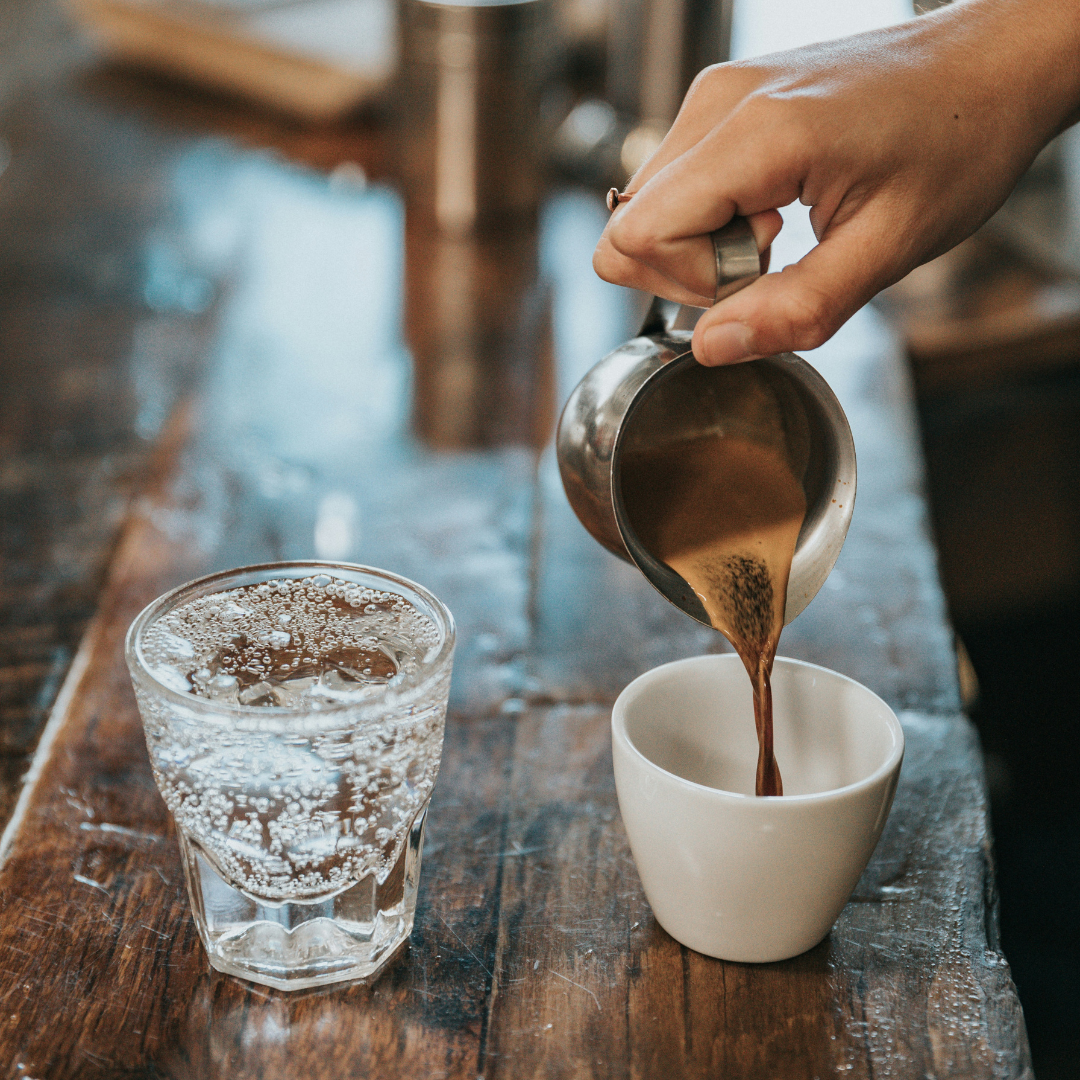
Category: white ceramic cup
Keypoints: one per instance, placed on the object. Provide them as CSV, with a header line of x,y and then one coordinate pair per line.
x,y
728,874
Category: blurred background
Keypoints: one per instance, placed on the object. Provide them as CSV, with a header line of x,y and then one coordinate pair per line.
x,y
428,179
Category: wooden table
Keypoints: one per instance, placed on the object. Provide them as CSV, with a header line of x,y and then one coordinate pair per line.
x,y
203,366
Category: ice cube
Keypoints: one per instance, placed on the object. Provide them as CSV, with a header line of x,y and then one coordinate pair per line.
x,y
173,679
175,647
223,688
292,693
260,693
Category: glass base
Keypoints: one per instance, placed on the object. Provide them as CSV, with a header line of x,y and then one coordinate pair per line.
x,y
292,945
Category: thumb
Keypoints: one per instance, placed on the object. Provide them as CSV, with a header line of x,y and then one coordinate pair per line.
x,y
803,305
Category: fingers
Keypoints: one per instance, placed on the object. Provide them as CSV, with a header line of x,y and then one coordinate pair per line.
x,y
754,160
802,306
685,270
620,270
697,286
665,226
766,226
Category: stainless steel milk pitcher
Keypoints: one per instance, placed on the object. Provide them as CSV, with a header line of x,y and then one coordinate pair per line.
x,y
651,391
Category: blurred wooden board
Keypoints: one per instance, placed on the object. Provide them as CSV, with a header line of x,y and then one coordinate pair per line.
x,y
983,315
992,335
314,59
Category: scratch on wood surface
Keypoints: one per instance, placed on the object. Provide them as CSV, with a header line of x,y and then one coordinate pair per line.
x,y
466,947
120,830
516,851
82,807
580,987
29,913
530,1031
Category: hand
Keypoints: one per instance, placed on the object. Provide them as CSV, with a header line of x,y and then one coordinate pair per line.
x,y
902,141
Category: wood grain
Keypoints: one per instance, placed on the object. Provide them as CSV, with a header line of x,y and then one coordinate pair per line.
x,y
535,953
592,986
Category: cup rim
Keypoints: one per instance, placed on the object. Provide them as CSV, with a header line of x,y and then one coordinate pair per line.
x,y
619,734
430,669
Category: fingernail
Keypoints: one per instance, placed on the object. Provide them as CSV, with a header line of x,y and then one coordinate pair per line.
x,y
727,343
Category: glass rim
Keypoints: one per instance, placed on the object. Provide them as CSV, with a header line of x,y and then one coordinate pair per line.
x,y
430,670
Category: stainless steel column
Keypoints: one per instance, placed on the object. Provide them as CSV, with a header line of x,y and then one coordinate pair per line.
x,y
473,140
656,47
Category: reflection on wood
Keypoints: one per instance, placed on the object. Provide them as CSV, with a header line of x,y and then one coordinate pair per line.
x,y
478,322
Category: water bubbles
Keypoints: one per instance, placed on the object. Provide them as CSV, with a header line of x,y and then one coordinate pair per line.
x,y
283,813
176,647
341,640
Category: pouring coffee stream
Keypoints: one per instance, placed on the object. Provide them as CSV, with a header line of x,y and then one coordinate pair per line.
x,y
724,513
723,509
730,488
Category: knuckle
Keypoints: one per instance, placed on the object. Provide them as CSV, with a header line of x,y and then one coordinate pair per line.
x,y
605,264
708,79
789,133
718,92
760,108
632,237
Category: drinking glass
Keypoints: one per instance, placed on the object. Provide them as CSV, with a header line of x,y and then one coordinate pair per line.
x,y
294,716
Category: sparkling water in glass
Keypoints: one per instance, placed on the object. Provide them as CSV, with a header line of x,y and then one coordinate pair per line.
x,y
294,716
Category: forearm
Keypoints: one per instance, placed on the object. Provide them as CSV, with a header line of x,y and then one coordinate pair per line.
x,y
1028,50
